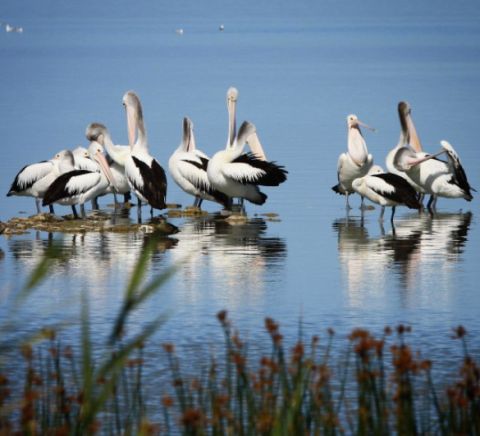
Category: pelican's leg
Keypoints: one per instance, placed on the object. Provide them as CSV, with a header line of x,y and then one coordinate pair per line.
x,y
200,201
362,205
82,211
393,213
195,202
380,218
74,210
429,204
115,200
347,204
151,212
50,208
421,197
126,197
37,203
434,205
139,210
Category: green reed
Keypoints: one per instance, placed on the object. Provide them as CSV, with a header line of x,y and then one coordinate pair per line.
x,y
378,386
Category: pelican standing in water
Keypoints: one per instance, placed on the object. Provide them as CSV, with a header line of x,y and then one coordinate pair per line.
x,y
145,176
356,162
188,168
436,177
239,174
386,189
79,186
409,139
34,180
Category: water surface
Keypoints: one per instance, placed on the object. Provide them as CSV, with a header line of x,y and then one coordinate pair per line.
x,y
300,71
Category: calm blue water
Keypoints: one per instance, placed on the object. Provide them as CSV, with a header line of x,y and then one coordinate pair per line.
x,y
300,69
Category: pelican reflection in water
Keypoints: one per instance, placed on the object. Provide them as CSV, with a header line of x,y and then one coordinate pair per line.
x,y
235,259
409,254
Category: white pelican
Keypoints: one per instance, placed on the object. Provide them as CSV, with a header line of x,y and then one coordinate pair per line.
x,y
117,170
436,177
144,174
408,138
79,186
239,174
188,168
386,189
356,162
33,180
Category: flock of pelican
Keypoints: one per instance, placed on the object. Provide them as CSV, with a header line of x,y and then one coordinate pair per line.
x,y
75,177
412,173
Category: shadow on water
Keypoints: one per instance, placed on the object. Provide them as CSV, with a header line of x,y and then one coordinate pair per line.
x,y
416,244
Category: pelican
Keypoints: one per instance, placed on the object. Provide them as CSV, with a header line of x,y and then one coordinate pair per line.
x,y
79,186
356,162
144,174
33,180
408,138
386,189
188,168
239,174
117,170
436,177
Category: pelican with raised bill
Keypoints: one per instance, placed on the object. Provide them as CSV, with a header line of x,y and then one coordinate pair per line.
x,y
145,176
188,168
408,139
239,174
34,180
386,189
356,162
79,186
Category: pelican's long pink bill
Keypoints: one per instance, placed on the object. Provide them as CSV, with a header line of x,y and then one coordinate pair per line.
x,y
414,162
100,158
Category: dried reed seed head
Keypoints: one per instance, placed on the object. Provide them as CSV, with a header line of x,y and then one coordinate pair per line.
x,y
48,333
192,417
27,352
167,401
134,362
330,331
387,330
460,332
271,325
169,347
222,316
358,334
3,380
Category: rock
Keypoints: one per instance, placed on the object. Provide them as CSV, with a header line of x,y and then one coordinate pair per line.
x,y
174,206
3,226
270,214
236,219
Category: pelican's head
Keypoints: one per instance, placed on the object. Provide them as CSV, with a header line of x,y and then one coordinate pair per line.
x,y
81,152
354,122
232,94
97,152
404,109
65,160
96,132
376,169
188,138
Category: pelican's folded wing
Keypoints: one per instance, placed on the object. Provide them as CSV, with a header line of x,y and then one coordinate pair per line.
x,y
29,175
69,184
248,169
195,171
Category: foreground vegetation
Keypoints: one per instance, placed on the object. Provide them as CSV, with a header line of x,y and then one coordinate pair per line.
x,y
379,386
